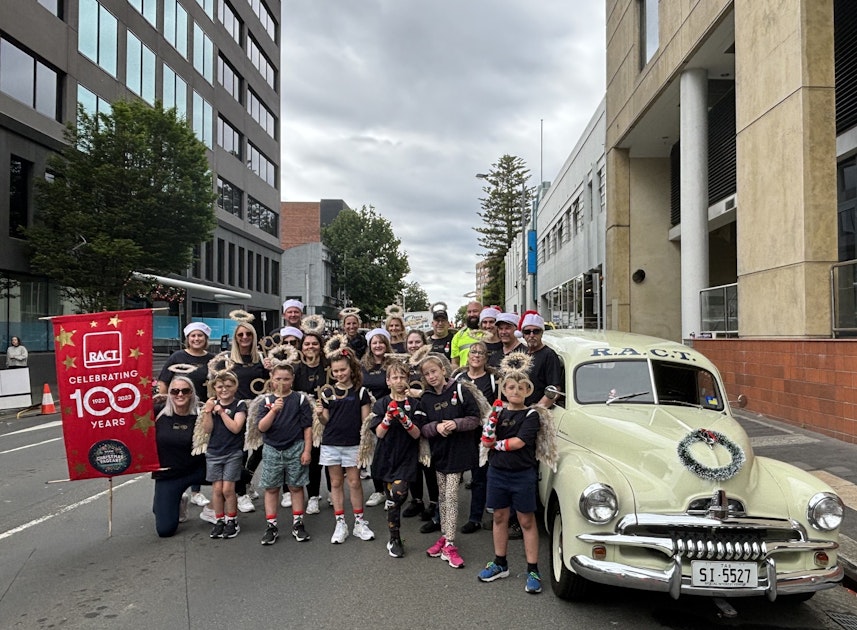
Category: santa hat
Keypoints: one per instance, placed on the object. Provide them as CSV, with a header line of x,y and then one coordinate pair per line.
x,y
293,303
489,311
532,318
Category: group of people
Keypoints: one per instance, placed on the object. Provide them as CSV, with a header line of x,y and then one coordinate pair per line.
x,y
403,406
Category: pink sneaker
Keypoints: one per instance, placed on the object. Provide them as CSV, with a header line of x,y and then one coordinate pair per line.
x,y
450,554
435,550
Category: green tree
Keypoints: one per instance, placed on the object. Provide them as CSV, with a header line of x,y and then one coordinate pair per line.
x,y
131,191
416,299
508,200
368,267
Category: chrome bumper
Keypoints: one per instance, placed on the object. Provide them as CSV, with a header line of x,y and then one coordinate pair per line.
x,y
671,580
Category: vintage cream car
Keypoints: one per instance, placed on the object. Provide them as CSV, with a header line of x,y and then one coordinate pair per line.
x,y
657,487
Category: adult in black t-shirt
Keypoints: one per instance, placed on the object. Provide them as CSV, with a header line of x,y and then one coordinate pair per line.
x,y
174,423
547,368
441,338
191,362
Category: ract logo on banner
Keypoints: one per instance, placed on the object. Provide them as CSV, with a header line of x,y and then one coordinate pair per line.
x,y
102,349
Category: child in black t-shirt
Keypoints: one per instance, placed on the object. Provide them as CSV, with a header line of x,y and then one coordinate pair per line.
x,y
510,437
397,452
223,418
286,431
342,410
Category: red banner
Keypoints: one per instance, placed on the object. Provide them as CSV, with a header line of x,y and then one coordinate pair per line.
x,y
104,374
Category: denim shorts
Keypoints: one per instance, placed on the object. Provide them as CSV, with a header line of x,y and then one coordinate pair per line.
x,y
345,456
279,466
512,488
224,467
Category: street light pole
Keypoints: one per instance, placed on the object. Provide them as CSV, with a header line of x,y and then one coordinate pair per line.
x,y
524,221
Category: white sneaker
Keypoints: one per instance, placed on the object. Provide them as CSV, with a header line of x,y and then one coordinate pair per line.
x,y
183,508
198,498
287,499
364,473
374,499
340,533
207,515
312,506
362,531
245,504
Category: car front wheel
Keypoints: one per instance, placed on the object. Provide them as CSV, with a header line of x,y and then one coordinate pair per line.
x,y
565,583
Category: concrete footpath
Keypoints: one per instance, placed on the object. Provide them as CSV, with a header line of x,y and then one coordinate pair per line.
x,y
829,459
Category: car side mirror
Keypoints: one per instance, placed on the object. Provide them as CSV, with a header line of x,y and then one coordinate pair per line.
x,y
739,402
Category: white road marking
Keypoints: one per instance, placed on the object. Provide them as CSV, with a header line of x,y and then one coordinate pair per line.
x,y
21,448
46,425
781,440
67,508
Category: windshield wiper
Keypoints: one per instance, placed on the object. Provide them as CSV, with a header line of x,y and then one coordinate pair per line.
x,y
613,399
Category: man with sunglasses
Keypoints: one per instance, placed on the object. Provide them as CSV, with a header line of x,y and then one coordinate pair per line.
x,y
547,368
506,325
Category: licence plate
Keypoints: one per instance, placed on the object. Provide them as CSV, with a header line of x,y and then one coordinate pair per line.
x,y
725,574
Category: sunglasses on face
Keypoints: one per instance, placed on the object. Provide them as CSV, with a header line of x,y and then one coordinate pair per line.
x,y
531,331
293,342
244,334
184,391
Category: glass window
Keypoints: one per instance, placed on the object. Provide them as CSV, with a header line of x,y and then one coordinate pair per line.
x,y
261,114
261,62
203,53
20,172
47,87
229,137
249,269
17,73
203,124
259,163
28,80
97,35
229,78
230,20
261,216
148,8
241,267
207,6
648,30
229,197
140,69
265,17
52,5
175,92
175,26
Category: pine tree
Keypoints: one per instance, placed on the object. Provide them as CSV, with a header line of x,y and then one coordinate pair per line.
x,y
503,210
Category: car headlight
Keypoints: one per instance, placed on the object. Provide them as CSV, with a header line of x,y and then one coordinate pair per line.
x,y
598,503
824,511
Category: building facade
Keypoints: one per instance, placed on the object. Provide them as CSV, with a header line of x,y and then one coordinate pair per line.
x,y
215,61
730,155
570,229
307,271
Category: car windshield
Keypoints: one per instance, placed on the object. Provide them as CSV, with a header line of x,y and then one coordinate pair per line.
x,y
631,382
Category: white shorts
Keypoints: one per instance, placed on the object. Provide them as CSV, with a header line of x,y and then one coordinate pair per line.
x,y
345,456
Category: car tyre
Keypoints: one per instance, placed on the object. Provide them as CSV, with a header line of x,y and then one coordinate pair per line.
x,y
566,584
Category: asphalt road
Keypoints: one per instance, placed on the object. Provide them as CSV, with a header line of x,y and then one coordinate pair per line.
x,y
60,568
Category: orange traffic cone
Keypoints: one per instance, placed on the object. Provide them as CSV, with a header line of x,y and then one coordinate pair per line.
x,y
47,401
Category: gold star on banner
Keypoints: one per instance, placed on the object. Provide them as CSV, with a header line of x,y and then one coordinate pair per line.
x,y
144,381
134,353
143,423
80,468
64,338
69,362
114,321
93,324
66,411
141,332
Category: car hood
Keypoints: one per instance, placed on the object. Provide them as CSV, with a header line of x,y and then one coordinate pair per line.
x,y
642,442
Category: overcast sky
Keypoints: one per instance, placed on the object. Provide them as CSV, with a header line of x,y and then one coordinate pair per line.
x,y
398,104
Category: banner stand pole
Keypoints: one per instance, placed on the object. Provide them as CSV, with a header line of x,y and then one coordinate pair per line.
x,y
110,507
